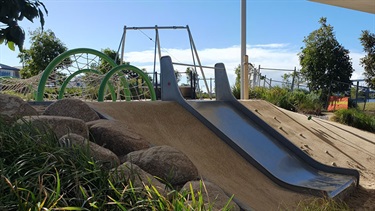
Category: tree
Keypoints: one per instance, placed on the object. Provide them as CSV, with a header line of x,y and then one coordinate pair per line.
x,y
288,79
188,72
325,63
368,62
12,11
45,46
104,66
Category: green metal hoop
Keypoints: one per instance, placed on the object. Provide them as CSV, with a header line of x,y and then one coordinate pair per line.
x,y
61,57
119,68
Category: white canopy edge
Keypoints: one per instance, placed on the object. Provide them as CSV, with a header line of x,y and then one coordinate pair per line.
x,y
360,5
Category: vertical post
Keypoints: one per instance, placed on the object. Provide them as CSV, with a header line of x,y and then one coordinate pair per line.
x,y
246,78
258,76
155,75
243,47
210,85
158,41
264,81
270,86
191,84
156,86
293,78
123,46
194,85
356,93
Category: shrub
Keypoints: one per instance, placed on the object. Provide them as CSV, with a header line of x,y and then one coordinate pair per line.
x,y
355,118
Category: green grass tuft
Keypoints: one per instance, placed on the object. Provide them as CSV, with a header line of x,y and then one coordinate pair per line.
x,y
355,118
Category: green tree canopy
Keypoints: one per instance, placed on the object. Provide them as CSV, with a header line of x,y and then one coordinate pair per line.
x,y
104,66
237,71
12,11
188,71
45,46
368,62
325,63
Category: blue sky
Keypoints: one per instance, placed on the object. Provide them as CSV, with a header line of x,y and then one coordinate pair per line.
x,y
275,29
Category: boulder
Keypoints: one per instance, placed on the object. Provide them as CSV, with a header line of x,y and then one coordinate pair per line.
x,y
99,121
165,162
71,108
105,156
138,177
117,137
213,196
57,124
13,108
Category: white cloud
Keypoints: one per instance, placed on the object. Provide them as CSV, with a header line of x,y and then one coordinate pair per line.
x,y
358,73
271,45
274,55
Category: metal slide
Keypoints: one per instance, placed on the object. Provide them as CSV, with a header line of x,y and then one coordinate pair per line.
x,y
259,143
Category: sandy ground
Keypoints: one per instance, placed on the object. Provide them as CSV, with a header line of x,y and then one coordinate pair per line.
x,y
167,123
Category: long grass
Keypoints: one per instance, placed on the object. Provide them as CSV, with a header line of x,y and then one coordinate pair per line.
x,y
322,204
368,106
355,118
39,174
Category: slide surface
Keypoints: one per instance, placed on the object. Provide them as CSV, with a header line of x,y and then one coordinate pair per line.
x,y
257,142
267,150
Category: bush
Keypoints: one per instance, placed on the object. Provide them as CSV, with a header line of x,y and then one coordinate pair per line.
x,y
298,100
310,104
355,118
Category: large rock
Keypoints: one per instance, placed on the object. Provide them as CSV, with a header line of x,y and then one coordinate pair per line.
x,y
57,124
13,108
104,155
71,108
165,162
99,121
117,137
138,177
212,195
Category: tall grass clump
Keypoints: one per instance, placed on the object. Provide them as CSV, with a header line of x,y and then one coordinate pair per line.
x,y
37,173
298,100
322,204
355,118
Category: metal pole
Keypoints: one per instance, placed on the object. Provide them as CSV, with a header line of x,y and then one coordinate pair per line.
x,y
153,27
123,46
293,78
356,93
199,62
246,78
158,40
243,49
210,85
154,78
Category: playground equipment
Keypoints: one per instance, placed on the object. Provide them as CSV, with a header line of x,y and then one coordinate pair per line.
x,y
85,74
256,141
157,51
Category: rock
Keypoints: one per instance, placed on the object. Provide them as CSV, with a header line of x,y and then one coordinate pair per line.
x,y
57,124
99,121
105,156
71,108
211,194
117,137
165,162
138,177
13,108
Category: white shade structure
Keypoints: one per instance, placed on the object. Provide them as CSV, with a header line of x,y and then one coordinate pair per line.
x,y
360,5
